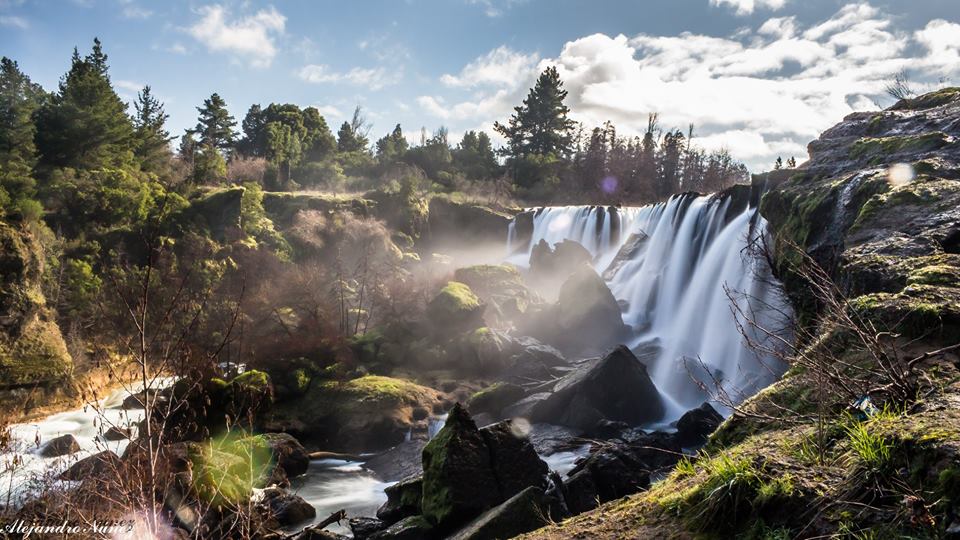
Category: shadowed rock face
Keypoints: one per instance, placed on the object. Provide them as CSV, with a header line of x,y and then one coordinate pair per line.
x,y
892,245
615,388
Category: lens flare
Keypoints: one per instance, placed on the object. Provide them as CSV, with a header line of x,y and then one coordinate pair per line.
x,y
609,185
520,427
900,174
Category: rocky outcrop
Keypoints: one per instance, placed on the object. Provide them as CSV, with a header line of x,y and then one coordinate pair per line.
x,y
403,500
32,350
878,206
524,512
449,222
98,465
616,388
501,288
455,309
559,261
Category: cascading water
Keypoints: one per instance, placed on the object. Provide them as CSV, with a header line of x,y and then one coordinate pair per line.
x,y
693,285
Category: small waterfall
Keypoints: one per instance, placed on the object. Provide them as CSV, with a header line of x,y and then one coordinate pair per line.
x,y
689,276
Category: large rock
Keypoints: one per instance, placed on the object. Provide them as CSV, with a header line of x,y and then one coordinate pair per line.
x,y
98,465
60,446
616,387
494,398
501,288
410,528
468,470
364,414
403,500
365,527
285,452
630,249
524,512
449,222
286,508
455,309
696,425
560,261
401,461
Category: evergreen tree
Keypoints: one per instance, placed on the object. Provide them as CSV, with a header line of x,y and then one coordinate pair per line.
x,y
19,99
777,165
792,163
475,157
254,123
215,125
391,147
540,125
352,136
318,141
152,138
669,166
85,124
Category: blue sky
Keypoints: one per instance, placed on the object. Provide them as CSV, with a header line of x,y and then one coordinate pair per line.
x,y
759,77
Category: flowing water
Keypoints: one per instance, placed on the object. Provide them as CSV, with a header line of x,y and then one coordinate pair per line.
x,y
693,286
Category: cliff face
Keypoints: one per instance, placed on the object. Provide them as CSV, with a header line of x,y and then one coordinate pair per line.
x,y
877,206
32,351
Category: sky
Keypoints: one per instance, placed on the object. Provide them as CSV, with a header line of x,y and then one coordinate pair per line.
x,y
760,78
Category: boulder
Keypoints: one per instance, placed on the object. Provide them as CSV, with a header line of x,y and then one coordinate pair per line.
x,y
696,425
484,351
615,472
286,508
524,512
286,452
616,387
494,398
365,527
560,261
410,528
104,463
63,445
587,316
516,465
458,478
135,401
403,500
500,287
116,433
630,249
455,309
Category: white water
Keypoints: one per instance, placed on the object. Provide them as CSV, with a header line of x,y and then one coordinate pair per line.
x,y
680,287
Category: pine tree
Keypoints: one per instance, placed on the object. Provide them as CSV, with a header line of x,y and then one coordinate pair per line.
x,y
352,136
792,163
152,138
540,125
19,98
391,147
85,124
215,125
777,165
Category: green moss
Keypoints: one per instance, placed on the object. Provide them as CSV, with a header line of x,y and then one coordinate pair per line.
x,y
878,149
488,277
252,379
456,296
37,356
935,275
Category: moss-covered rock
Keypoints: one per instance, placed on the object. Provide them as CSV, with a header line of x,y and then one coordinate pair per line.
x,y
501,288
494,398
372,412
455,308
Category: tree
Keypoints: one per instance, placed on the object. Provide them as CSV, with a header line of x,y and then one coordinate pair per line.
x,y
792,163
283,149
475,157
352,136
540,125
391,147
85,124
434,157
19,99
777,165
671,152
152,139
215,125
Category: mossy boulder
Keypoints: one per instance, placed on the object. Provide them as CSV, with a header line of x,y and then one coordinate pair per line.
x,y
403,500
367,413
494,398
32,350
500,287
484,351
455,308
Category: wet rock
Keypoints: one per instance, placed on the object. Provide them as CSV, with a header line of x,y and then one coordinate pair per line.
x,y
410,528
63,445
286,508
560,261
401,461
630,249
403,500
587,308
365,527
615,471
104,463
524,512
484,351
549,439
580,492
135,401
696,424
615,388
287,452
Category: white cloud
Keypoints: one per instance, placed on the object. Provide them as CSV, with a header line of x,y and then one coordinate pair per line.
x,y
136,12
372,78
501,67
746,7
329,111
760,93
14,22
177,48
495,8
250,37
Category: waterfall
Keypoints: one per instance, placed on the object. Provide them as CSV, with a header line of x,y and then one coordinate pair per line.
x,y
691,280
